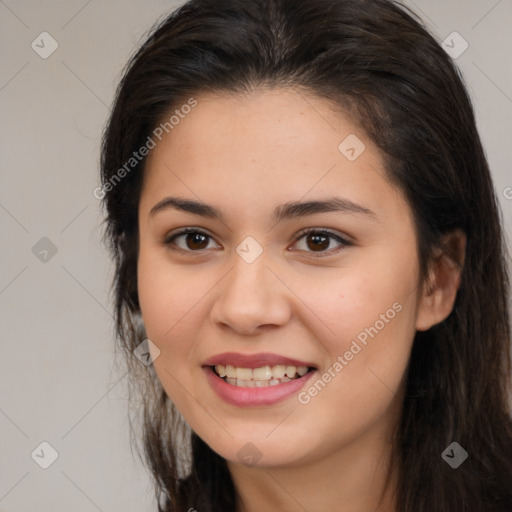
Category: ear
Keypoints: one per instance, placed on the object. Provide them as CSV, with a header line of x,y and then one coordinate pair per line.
x,y
440,289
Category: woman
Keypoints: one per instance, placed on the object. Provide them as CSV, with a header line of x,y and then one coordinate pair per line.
x,y
308,245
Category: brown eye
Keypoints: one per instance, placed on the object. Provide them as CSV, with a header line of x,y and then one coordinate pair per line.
x,y
319,242
190,240
196,241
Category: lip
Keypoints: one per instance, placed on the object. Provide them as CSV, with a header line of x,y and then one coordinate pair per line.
x,y
254,360
250,397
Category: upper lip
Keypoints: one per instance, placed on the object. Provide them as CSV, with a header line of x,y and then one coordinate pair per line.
x,y
254,360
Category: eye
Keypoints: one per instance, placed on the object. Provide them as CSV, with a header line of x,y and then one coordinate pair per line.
x,y
316,241
319,241
194,240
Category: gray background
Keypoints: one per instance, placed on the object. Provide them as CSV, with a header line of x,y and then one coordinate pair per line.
x,y
57,374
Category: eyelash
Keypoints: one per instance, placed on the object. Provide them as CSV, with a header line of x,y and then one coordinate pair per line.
x,y
169,241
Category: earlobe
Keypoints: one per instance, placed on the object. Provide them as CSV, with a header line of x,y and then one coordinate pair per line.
x,y
440,289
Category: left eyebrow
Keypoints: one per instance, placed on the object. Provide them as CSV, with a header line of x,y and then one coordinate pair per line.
x,y
284,211
334,204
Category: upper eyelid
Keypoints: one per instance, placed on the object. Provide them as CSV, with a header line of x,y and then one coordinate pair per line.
x,y
186,231
329,231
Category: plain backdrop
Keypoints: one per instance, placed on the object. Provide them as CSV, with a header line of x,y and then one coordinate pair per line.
x,y
57,378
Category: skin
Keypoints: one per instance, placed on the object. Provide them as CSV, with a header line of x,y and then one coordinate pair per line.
x,y
245,155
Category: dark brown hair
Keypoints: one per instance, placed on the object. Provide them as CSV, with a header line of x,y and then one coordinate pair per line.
x,y
375,60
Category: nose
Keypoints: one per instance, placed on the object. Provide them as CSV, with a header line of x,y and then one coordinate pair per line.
x,y
251,298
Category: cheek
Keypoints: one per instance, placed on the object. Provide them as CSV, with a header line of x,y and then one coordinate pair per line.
x,y
371,319
167,294
356,300
170,300
368,355
174,302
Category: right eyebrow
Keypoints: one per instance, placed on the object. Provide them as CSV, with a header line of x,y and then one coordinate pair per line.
x,y
186,205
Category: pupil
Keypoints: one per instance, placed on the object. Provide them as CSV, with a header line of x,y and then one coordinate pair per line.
x,y
321,241
196,238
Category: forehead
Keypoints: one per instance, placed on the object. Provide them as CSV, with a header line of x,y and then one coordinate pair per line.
x,y
260,125
263,148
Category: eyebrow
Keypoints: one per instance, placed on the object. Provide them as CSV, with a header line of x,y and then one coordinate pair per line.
x,y
284,211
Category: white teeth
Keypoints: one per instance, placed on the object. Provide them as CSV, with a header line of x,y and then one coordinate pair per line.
x,y
259,377
244,373
244,383
230,371
264,373
278,371
290,371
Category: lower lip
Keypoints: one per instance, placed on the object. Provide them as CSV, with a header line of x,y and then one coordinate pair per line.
x,y
246,397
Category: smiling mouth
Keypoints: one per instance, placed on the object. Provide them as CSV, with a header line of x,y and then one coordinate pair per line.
x,y
261,377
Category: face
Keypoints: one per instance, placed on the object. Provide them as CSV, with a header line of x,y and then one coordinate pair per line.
x,y
262,290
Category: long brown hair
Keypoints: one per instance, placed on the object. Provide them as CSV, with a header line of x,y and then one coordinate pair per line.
x,y
376,60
